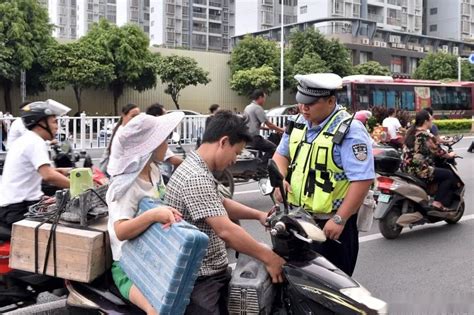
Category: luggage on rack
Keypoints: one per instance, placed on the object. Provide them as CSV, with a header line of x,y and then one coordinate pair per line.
x,y
164,263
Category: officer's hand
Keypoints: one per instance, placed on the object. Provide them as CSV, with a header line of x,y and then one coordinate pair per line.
x,y
277,192
332,230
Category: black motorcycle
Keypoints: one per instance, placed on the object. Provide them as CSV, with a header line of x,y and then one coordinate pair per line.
x,y
313,285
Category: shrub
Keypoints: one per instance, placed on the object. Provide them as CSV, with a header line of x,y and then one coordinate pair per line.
x,y
454,124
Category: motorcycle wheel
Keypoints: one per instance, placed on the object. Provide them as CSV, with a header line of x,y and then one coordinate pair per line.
x,y
225,178
388,226
458,215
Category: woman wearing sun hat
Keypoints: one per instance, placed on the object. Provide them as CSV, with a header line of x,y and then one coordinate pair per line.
x,y
142,142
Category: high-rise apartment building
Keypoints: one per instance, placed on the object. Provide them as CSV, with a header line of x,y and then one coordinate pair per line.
x,y
257,15
74,18
192,24
453,19
63,14
395,15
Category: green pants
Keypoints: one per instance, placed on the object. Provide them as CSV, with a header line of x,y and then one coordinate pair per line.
x,y
121,280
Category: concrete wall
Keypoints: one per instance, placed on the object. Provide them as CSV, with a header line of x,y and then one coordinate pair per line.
x,y
194,98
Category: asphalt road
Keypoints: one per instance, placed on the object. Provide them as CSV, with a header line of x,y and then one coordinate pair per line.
x,y
427,270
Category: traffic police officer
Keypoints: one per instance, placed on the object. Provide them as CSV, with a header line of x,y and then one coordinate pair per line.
x,y
328,164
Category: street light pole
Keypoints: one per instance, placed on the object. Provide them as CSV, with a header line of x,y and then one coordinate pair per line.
x,y
459,68
282,44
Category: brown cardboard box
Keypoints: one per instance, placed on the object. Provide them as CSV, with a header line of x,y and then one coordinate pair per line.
x,y
80,253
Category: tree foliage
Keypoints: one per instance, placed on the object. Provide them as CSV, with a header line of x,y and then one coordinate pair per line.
x,y
311,42
178,72
255,52
79,65
126,49
248,80
24,32
309,63
371,68
439,66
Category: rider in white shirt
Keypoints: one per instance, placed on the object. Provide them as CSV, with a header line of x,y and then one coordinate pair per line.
x,y
27,162
393,125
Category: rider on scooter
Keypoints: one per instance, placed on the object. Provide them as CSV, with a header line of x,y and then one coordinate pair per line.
x,y
27,162
419,156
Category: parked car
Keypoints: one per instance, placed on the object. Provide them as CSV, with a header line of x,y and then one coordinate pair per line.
x,y
283,110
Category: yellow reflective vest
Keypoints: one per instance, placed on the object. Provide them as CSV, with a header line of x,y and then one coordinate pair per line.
x,y
317,183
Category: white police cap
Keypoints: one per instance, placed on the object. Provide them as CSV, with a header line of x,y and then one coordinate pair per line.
x,y
313,86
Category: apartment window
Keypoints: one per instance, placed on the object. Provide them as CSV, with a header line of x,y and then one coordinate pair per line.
x,y
112,1
304,9
433,11
73,2
146,3
396,64
433,28
146,16
170,22
152,23
364,57
146,29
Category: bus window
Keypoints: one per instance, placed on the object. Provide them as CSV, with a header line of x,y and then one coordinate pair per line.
x,y
361,95
391,99
343,97
408,100
378,97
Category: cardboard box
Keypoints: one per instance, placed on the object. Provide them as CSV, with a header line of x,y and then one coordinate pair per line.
x,y
80,253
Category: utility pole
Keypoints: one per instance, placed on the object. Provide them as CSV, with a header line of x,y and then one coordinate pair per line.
x,y
282,44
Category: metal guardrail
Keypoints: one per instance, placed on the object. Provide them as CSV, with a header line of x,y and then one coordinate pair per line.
x,y
95,132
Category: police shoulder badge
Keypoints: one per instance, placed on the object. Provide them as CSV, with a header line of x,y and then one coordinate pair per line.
x,y
360,151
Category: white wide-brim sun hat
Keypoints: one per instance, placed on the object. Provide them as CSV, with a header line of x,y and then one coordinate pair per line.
x,y
138,139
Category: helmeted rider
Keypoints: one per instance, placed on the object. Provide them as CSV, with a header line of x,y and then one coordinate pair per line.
x,y
27,162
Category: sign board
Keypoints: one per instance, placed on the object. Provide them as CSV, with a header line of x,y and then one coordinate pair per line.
x,y
471,58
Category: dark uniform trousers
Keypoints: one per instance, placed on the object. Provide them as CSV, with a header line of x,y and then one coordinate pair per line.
x,y
343,255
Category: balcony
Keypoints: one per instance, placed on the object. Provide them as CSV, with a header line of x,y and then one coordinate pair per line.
x,y
393,21
200,2
375,17
214,17
215,4
199,15
394,2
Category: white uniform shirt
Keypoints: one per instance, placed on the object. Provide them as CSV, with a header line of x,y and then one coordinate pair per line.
x,y
21,180
126,207
17,129
392,124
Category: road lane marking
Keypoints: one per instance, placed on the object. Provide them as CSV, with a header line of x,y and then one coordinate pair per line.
x,y
246,192
376,236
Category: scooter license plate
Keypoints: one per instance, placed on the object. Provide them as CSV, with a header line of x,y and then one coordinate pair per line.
x,y
384,198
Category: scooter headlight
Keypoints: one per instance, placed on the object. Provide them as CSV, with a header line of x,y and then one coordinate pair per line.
x,y
363,296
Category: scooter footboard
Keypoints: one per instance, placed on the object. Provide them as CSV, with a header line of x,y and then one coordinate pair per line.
x,y
250,289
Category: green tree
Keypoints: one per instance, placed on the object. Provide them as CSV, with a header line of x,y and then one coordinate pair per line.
x,y
439,66
126,49
79,65
311,41
255,52
179,72
248,80
24,33
309,63
371,68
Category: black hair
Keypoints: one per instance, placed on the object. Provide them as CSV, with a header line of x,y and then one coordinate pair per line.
x,y
420,119
125,110
225,123
256,94
156,110
213,108
391,111
429,110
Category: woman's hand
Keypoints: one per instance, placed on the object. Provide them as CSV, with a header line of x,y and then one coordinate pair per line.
x,y
166,215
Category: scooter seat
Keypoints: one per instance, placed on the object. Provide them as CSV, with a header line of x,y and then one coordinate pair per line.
x,y
412,179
